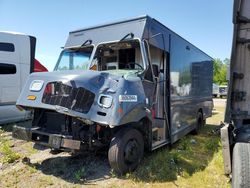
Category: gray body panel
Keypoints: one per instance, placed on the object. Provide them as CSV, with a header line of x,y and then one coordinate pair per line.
x,y
142,27
191,84
98,83
189,74
107,33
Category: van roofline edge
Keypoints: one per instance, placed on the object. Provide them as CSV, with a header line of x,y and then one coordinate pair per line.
x,y
110,23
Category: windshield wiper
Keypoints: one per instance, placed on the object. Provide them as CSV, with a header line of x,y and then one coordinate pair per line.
x,y
77,48
126,36
89,41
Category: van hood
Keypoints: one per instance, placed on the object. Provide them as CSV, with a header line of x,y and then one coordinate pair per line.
x,y
78,94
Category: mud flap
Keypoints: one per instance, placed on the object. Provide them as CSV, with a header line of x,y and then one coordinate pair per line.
x,y
226,149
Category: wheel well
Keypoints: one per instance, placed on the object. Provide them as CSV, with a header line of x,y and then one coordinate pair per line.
x,y
201,111
145,128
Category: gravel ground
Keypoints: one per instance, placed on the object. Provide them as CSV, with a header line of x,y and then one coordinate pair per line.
x,y
43,169
219,102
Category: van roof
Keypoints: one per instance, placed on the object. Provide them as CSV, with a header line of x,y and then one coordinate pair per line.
x,y
110,23
141,27
12,32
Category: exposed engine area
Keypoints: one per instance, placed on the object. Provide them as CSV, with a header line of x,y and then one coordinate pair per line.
x,y
52,122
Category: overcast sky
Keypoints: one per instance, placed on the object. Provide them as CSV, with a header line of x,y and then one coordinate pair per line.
x,y
207,23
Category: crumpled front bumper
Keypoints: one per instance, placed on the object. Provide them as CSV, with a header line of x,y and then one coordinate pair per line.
x,y
56,141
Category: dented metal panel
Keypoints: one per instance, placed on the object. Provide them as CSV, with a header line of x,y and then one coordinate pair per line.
x,y
97,83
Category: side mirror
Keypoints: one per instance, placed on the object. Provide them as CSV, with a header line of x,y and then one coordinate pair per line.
x,y
7,68
155,70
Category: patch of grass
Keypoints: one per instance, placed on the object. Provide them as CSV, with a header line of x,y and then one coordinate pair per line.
x,y
8,155
7,127
185,144
2,136
25,176
45,181
28,148
113,174
32,169
183,160
80,174
194,161
212,144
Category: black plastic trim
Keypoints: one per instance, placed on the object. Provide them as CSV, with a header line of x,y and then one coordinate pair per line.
x,y
32,53
7,47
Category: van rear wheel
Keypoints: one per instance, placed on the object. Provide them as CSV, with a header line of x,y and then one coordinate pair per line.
x,y
126,150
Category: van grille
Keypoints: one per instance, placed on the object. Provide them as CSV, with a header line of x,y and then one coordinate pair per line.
x,y
77,99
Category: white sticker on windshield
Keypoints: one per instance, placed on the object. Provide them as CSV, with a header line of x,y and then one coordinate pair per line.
x,y
127,98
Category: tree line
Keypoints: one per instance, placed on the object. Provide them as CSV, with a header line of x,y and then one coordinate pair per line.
x,y
220,71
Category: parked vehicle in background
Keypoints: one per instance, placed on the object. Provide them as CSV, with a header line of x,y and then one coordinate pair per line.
x,y
38,67
223,91
235,135
216,91
146,87
17,56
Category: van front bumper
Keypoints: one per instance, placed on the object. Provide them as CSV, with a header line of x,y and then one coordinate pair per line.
x,y
56,141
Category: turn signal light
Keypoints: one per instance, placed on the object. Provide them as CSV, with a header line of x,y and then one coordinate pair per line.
x,y
31,97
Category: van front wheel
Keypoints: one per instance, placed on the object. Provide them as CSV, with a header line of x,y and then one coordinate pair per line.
x,y
126,150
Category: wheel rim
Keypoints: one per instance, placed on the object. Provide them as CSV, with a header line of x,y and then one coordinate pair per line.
x,y
131,152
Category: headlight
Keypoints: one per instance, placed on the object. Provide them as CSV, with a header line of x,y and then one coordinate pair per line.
x,y
36,85
105,101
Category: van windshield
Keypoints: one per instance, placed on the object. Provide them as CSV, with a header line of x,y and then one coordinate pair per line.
x,y
118,57
74,59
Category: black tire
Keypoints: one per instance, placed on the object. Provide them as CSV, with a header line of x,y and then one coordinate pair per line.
x,y
126,150
200,122
241,166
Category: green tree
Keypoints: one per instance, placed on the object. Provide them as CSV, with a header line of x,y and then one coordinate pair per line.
x,y
226,61
220,71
